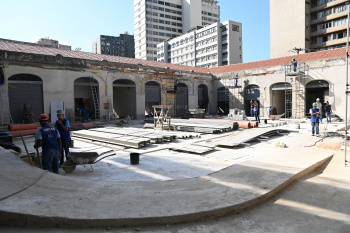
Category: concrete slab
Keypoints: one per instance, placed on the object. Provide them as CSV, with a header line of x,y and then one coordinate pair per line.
x,y
58,201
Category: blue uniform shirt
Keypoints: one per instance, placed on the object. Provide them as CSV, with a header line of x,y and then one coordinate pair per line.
x,y
49,136
65,135
314,118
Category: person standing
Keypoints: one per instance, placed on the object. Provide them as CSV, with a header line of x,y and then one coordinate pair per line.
x,y
62,125
315,113
328,111
49,139
319,106
256,111
251,108
295,64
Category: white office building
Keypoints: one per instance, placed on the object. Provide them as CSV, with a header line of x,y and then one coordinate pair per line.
x,y
156,21
214,45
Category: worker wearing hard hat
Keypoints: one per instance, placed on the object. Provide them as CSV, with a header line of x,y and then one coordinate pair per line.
x,y
49,139
62,124
319,106
315,117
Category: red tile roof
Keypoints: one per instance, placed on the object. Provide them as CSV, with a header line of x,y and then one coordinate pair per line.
x,y
38,49
321,55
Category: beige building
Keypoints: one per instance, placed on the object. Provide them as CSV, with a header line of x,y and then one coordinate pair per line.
x,y
156,21
214,45
306,26
40,76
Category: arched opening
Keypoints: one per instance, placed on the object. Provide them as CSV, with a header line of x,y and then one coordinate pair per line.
x,y
223,100
203,97
124,98
316,89
181,100
25,93
84,101
152,96
251,93
280,92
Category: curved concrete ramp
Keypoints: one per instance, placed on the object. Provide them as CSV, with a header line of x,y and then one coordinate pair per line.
x,y
57,201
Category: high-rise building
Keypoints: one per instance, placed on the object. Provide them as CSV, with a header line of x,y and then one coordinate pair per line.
x,y
122,46
303,26
210,46
156,21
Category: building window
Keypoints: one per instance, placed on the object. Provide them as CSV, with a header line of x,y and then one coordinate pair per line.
x,y
235,28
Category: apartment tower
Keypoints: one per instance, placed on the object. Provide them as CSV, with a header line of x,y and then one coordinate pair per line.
x,y
214,45
156,21
307,26
122,45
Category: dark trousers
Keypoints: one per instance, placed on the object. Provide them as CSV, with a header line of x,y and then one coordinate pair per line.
x,y
256,114
65,149
50,160
314,127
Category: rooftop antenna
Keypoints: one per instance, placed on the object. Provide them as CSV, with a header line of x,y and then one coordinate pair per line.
x,y
297,50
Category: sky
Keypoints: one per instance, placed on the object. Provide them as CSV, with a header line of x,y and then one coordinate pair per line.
x,y
79,22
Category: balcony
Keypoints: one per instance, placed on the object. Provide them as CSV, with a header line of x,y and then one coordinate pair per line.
x,y
329,43
325,6
329,30
208,44
330,17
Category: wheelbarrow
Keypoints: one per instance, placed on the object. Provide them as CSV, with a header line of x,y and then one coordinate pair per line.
x,y
82,158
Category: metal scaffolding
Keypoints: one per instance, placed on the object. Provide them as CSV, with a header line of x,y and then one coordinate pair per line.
x,y
233,93
295,90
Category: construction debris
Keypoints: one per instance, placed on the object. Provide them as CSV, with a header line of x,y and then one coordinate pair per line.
x,y
135,142
248,136
192,148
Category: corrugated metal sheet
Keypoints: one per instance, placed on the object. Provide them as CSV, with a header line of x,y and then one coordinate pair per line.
x,y
152,94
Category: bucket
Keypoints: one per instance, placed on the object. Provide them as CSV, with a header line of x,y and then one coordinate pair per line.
x,y
134,158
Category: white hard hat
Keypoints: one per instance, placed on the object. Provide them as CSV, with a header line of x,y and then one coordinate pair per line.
x,y
59,111
317,99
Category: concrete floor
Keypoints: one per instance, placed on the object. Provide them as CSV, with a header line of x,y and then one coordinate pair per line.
x,y
317,203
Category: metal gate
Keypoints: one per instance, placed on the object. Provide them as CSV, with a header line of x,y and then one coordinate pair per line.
x,y
24,92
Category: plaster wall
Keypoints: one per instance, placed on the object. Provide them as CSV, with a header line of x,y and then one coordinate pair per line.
x,y
287,27
332,71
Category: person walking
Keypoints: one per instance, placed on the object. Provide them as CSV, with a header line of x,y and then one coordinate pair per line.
x,y
256,111
49,139
315,113
319,106
328,111
62,125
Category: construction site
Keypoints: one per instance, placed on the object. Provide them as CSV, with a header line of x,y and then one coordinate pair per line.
x,y
171,148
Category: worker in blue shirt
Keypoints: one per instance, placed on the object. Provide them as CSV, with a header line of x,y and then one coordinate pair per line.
x,y
62,125
270,112
49,139
315,119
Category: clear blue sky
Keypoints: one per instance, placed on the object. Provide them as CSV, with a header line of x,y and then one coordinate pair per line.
x,y
79,22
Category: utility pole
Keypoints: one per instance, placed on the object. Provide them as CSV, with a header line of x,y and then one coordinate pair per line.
x,y
298,49
346,84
